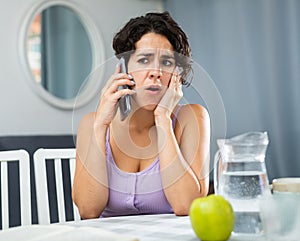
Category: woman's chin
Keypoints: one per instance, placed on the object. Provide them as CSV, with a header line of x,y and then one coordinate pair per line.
x,y
150,107
147,105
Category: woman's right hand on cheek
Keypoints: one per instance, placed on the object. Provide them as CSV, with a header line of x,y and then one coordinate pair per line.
x,y
110,95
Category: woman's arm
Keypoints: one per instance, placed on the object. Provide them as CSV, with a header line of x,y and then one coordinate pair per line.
x,y
185,161
90,188
184,155
90,192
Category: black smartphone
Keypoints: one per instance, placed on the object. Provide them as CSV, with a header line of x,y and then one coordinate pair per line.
x,y
124,101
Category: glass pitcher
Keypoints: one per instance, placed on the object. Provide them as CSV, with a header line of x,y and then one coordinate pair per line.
x,y
240,176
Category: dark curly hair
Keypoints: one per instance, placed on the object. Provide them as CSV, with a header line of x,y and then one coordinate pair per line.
x,y
160,23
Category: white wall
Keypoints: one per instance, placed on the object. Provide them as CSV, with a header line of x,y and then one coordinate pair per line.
x,y
22,111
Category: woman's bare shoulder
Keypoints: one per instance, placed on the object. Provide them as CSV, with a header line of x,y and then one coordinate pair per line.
x,y
87,119
190,112
88,116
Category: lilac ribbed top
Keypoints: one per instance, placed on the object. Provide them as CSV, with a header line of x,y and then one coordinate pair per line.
x,y
135,193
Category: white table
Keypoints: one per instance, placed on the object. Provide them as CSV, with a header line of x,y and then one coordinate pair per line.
x,y
165,227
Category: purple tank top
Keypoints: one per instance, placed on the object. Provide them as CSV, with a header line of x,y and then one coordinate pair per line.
x,y
135,193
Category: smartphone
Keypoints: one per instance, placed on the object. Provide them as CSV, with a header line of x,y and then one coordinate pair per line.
x,y
124,101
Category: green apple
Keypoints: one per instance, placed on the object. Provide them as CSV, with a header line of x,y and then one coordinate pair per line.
x,y
212,218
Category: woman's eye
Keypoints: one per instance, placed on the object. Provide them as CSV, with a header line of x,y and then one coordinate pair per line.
x,y
167,63
143,61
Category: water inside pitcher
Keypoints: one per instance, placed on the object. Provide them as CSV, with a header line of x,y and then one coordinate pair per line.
x,y
240,176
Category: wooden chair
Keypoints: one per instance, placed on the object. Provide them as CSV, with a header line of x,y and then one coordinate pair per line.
x,y
22,158
56,156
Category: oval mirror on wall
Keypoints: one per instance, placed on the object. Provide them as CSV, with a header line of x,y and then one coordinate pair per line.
x,y
61,48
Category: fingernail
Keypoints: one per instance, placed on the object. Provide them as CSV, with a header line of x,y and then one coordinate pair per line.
x,y
133,91
132,82
130,76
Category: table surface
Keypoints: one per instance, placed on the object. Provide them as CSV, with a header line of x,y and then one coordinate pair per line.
x,y
163,227
146,227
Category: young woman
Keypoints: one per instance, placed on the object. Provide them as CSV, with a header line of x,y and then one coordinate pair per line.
x,y
157,159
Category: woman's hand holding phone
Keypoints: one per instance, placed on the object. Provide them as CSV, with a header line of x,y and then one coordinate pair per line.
x,y
111,94
124,101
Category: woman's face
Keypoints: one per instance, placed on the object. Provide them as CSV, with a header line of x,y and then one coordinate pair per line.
x,y
151,65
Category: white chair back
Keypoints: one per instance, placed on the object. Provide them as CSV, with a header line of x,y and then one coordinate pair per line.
x,y
22,157
40,157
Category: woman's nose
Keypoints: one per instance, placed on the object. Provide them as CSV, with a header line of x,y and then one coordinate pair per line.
x,y
155,72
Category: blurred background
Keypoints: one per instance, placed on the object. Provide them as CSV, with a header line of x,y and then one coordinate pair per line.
x,y
250,50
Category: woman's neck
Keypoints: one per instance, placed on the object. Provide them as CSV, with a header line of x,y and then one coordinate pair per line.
x,y
136,134
141,120
138,121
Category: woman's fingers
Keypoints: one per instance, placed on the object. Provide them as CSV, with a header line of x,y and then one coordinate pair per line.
x,y
111,79
175,79
172,95
116,81
117,95
175,85
114,91
111,93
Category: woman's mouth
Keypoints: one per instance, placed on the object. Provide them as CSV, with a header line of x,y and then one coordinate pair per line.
x,y
153,89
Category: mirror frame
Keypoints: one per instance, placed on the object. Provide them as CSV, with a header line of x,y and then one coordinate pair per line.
x,y
92,88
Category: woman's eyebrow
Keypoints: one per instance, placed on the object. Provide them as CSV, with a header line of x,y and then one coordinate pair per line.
x,y
166,56
145,54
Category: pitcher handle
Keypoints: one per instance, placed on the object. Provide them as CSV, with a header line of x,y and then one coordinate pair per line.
x,y
216,171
